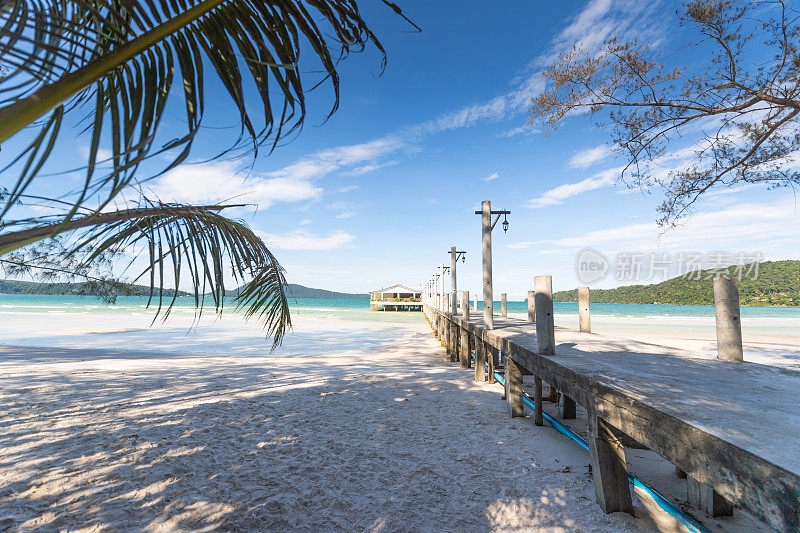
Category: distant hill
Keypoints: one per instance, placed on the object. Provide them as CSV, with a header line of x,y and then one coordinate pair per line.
x,y
777,284
300,291
8,286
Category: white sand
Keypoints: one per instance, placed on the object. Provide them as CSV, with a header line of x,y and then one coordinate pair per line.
x,y
351,426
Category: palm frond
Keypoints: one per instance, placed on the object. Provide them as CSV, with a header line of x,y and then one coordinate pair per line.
x,y
187,247
119,60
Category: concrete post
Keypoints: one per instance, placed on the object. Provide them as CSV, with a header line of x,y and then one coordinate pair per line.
x,y
531,306
729,326
609,470
545,327
475,307
583,309
503,305
465,305
486,232
453,295
513,387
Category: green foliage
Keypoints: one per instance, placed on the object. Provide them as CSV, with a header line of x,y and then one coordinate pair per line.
x,y
776,284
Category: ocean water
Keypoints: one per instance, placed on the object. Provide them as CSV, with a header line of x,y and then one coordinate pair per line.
x,y
86,321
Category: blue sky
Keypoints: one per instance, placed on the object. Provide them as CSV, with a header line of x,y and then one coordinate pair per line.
x,y
378,194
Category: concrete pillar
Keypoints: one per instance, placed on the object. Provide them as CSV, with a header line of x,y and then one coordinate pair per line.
x,y
583,309
488,295
609,469
568,410
480,359
453,294
729,325
465,305
545,327
538,417
531,306
465,356
503,305
514,388
705,498
475,307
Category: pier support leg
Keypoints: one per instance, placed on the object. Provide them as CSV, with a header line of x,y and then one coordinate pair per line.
x,y
503,305
466,359
538,418
568,408
729,326
583,310
514,388
545,327
480,360
608,468
489,360
705,498
453,332
531,306
680,474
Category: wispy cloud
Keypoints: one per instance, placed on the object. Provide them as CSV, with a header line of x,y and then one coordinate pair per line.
x,y
519,131
220,182
363,169
746,224
492,176
590,156
304,240
557,195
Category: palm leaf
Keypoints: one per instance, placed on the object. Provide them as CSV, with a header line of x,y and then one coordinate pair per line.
x,y
119,59
185,245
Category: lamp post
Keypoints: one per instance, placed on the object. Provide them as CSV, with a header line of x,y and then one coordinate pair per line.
x,y
454,256
486,232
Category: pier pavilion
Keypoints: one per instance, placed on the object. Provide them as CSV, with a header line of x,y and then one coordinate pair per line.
x,y
396,298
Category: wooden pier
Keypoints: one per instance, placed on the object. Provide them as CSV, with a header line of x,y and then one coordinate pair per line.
x,y
732,427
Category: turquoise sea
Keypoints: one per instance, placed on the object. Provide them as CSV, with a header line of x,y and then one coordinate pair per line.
x,y
86,321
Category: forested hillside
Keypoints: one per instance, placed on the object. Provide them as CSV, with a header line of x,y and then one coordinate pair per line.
x,y
777,284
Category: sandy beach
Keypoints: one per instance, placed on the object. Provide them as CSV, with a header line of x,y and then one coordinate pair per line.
x,y
351,425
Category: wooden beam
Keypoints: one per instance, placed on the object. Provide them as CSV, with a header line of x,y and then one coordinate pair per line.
x,y
608,468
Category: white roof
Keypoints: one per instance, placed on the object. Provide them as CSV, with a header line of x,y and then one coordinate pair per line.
x,y
397,288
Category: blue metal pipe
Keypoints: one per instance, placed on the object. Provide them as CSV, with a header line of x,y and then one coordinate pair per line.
x,y
671,509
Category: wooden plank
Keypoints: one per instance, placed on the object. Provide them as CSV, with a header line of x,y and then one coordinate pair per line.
x,y
609,471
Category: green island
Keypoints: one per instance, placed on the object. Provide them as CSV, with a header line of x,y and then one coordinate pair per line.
x,y
8,286
777,283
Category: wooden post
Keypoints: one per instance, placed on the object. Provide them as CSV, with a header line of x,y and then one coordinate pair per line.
x,y
453,293
475,307
514,388
538,417
480,359
531,306
486,232
729,326
545,327
465,305
705,498
503,305
608,468
583,309
453,329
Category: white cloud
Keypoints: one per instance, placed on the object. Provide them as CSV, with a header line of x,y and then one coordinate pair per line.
x,y
211,183
589,157
492,176
305,222
519,130
325,161
557,195
345,215
303,240
363,169
752,226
